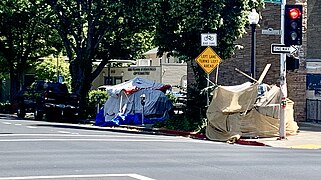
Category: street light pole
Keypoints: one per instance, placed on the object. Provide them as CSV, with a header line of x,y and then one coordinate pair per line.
x,y
253,20
57,67
253,51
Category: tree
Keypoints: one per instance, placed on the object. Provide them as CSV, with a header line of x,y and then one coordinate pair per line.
x,y
23,39
93,30
179,27
4,74
48,68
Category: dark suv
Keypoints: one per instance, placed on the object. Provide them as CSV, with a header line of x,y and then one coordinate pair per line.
x,y
47,98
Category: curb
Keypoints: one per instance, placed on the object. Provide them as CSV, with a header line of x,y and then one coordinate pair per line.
x,y
165,131
183,133
250,143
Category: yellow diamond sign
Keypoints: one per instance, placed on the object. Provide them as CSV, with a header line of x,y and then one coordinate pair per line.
x,y
208,60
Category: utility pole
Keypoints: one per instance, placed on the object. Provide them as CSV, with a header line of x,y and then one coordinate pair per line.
x,y
283,85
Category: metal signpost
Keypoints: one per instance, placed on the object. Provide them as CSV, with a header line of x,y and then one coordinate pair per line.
x,y
208,60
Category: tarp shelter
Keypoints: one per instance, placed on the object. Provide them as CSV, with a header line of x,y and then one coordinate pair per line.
x,y
238,111
124,103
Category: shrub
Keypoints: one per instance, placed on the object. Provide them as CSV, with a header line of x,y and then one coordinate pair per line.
x,y
176,122
171,97
5,107
95,97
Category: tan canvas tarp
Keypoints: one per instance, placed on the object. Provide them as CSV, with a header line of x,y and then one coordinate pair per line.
x,y
236,111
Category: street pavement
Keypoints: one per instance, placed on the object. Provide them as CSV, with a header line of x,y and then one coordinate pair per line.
x,y
308,137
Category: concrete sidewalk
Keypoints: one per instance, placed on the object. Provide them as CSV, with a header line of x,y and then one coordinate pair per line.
x,y
308,137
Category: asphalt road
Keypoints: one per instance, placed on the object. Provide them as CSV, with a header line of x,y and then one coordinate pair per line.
x,y
42,150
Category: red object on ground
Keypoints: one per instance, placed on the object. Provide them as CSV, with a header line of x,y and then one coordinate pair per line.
x,y
251,143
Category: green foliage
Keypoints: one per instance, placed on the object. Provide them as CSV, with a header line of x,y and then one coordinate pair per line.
x,y
182,122
4,71
171,97
5,107
176,122
104,29
23,38
47,70
179,25
95,97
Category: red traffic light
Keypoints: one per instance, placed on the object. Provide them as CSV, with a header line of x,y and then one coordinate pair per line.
x,y
294,13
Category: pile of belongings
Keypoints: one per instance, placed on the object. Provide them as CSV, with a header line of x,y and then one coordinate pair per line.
x,y
240,111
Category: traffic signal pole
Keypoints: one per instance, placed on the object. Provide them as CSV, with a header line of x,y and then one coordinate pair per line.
x,y
283,85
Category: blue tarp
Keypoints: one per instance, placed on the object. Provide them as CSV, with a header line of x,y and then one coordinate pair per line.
x,y
124,119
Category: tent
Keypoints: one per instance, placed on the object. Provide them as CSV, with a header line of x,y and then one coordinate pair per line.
x,y
248,110
124,105
238,111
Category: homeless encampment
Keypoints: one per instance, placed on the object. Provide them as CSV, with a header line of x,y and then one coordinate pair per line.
x,y
124,104
238,111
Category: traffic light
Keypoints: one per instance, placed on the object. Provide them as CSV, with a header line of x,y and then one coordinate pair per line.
x,y
292,63
293,25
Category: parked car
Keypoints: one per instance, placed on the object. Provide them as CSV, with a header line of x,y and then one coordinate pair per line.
x,y
47,98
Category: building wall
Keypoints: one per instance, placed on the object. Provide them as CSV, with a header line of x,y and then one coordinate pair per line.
x,y
242,60
174,74
126,73
314,30
166,73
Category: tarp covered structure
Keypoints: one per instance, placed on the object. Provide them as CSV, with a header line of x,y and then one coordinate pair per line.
x,y
238,111
124,103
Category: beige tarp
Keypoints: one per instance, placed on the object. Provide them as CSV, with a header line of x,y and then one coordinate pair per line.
x,y
237,111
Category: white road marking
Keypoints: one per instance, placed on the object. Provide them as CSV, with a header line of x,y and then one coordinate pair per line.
x,y
64,132
18,124
6,123
92,135
102,140
31,127
135,176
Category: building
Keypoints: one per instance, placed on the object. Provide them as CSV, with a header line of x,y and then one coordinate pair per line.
x,y
313,61
166,69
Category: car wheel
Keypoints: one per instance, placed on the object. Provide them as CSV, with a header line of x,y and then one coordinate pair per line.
x,y
21,113
38,114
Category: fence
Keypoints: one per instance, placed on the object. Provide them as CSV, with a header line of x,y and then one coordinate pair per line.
x,y
313,107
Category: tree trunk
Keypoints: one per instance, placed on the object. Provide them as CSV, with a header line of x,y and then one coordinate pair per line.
x,y
14,89
1,91
81,81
